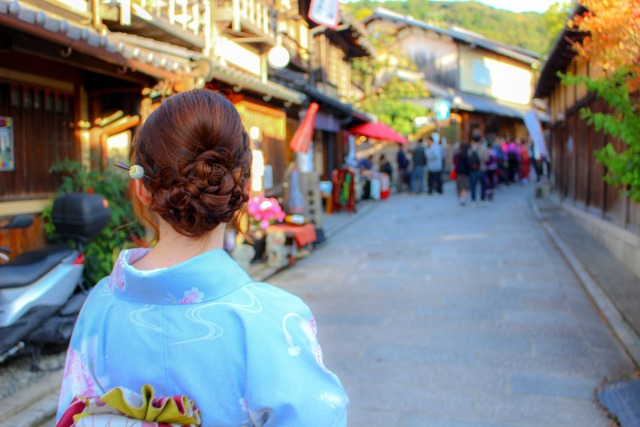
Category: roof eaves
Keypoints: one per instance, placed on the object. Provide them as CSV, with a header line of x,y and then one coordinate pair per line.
x,y
87,40
506,50
327,100
561,54
361,44
253,83
357,25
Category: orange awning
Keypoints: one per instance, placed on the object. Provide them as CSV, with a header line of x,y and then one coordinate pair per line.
x,y
301,140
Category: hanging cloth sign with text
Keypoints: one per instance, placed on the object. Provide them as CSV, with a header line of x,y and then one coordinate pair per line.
x,y
325,12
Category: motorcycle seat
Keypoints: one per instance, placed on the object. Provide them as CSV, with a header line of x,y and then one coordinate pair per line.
x,y
29,266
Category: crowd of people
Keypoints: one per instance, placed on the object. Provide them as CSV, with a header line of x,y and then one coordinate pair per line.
x,y
423,162
478,167
481,166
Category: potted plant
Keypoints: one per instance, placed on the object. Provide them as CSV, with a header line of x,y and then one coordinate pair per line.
x,y
263,212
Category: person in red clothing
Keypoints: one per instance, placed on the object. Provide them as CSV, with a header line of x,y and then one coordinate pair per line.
x,y
525,162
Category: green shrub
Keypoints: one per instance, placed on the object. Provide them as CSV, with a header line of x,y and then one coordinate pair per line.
x,y
112,183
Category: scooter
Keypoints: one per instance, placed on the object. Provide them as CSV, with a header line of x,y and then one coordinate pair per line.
x,y
42,291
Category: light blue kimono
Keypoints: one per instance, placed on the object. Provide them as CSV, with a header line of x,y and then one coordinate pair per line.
x,y
245,352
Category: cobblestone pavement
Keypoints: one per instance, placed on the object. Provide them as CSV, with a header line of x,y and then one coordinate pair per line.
x,y
434,314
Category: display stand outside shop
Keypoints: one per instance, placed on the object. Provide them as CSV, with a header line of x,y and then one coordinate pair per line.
x,y
343,191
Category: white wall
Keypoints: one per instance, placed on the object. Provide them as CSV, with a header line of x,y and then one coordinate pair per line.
x,y
486,74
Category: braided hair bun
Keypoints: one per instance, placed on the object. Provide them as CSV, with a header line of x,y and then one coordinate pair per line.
x,y
196,153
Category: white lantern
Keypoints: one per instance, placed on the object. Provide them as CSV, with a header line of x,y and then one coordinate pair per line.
x,y
278,57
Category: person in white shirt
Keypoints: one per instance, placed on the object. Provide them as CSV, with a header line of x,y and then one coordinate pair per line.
x,y
435,164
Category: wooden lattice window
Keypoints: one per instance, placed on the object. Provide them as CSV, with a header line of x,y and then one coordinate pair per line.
x,y
44,132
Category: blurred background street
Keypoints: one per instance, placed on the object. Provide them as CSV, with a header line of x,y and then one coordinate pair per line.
x,y
434,314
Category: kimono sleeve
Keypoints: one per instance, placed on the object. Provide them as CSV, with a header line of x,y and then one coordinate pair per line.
x,y
287,382
77,378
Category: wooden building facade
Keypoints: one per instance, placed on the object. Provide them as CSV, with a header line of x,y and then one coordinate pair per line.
x,y
75,76
66,89
578,179
578,176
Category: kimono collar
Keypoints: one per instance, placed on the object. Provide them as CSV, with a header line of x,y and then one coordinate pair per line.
x,y
205,277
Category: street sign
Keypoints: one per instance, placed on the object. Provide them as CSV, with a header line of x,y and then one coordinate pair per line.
x,y
442,108
422,121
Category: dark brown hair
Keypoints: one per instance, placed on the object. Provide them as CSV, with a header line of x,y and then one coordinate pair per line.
x,y
196,155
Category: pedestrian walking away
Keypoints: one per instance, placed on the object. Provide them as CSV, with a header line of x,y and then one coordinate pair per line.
x,y
463,172
477,155
513,158
245,353
419,158
404,174
540,160
435,164
490,174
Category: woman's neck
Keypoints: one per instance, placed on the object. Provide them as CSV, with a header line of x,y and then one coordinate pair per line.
x,y
173,248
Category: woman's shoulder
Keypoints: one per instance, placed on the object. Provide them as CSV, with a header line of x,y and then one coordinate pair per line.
x,y
100,288
276,296
270,308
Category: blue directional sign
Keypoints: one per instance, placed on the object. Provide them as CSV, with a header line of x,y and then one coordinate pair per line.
x,y
442,108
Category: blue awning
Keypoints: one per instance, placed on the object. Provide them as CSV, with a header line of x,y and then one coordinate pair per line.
x,y
482,104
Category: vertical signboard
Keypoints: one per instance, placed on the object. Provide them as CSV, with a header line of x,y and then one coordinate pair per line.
x,y
6,144
325,12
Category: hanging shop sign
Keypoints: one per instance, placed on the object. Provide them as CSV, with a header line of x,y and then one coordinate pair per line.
x,y
325,12
7,162
442,108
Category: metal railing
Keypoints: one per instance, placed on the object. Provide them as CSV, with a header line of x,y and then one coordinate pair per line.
x,y
255,15
197,16
191,15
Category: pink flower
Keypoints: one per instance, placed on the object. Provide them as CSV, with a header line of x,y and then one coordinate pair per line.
x,y
77,376
116,279
264,211
312,324
192,296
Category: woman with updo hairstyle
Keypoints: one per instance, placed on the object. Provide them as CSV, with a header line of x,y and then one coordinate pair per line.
x,y
183,316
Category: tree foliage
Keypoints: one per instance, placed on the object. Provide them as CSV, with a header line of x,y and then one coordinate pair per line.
x,y
525,30
385,95
391,104
554,20
612,43
612,40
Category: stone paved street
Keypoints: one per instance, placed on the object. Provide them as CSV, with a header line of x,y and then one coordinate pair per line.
x,y
434,314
